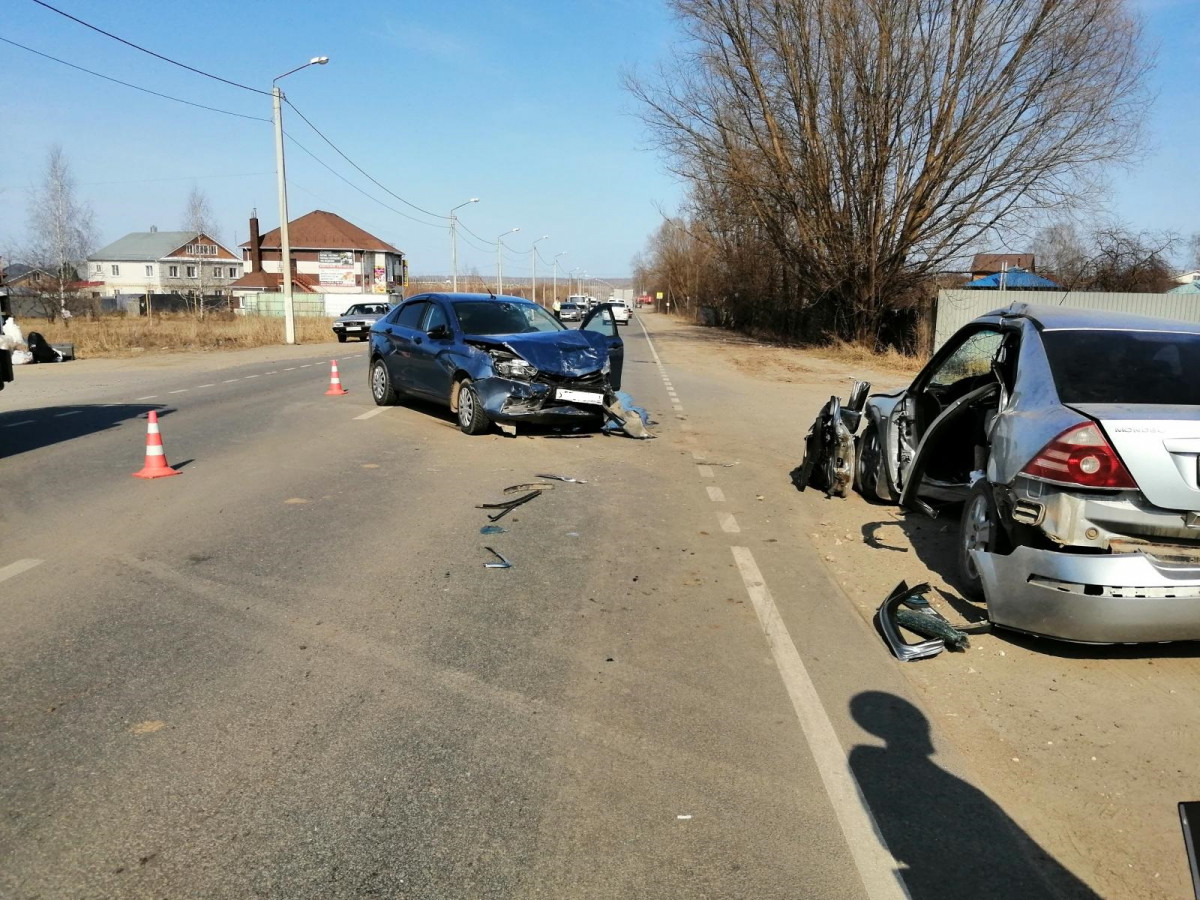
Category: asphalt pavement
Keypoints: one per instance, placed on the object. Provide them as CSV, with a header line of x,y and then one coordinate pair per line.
x,y
288,673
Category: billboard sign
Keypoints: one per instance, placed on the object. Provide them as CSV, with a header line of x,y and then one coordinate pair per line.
x,y
336,267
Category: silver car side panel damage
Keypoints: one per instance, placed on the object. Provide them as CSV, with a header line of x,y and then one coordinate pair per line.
x,y
1091,598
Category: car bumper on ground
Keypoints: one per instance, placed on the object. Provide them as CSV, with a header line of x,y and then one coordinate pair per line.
x,y
1091,598
509,400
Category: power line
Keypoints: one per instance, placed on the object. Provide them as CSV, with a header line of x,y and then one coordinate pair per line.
x,y
369,196
356,166
173,62
134,86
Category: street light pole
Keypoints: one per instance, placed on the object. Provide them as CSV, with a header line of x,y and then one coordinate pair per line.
x,y
533,267
499,260
556,256
454,242
289,311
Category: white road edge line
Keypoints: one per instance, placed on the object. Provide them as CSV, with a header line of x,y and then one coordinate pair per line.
x,y
715,494
16,568
374,412
728,523
876,866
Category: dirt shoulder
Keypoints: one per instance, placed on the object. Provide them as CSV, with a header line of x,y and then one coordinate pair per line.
x,y
1089,747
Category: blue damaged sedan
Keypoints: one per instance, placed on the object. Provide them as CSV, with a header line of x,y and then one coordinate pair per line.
x,y
496,360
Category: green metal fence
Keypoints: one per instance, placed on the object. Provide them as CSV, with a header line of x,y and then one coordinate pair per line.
x,y
266,304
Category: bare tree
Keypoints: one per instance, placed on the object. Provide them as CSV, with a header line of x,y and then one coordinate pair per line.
x,y
873,141
198,218
62,232
1109,257
1194,251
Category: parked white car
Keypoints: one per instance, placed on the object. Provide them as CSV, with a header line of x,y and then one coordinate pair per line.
x,y
620,312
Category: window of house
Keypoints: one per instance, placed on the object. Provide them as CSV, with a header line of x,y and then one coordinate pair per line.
x,y
97,268
233,271
201,250
191,271
116,270
149,271
173,271
216,271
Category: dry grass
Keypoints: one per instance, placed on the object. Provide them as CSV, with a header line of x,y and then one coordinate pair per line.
x,y
861,354
119,336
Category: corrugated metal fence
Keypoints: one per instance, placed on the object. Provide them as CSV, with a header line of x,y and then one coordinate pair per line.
x,y
956,308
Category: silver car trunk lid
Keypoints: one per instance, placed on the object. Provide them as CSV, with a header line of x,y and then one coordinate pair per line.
x,y
1160,445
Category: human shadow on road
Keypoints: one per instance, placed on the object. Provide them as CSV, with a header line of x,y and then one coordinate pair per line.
x,y
23,430
950,839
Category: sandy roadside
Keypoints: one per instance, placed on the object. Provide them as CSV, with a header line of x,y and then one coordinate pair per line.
x,y
1089,747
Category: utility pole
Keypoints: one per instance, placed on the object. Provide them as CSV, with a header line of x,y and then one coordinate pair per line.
x,y
500,259
454,242
556,256
533,267
289,312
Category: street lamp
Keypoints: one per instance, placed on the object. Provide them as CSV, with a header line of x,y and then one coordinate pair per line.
x,y
499,263
454,241
533,267
289,312
555,264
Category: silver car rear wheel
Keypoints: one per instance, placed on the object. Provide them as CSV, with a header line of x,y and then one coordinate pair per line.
x,y
979,529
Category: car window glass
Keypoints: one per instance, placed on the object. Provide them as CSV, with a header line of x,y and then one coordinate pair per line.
x,y
502,317
435,318
411,313
601,322
972,358
1124,367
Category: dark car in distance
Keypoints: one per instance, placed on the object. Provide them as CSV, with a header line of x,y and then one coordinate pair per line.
x,y
496,359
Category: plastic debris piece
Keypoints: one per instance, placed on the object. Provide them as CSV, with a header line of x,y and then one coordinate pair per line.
x,y
566,478
493,529
508,504
885,620
534,486
930,624
503,564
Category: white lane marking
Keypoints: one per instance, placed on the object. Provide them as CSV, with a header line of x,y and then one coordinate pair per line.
x,y
678,407
148,397
22,422
251,376
876,866
704,471
73,412
306,365
696,454
728,523
275,372
230,380
715,494
374,412
290,369
21,565
180,391
204,386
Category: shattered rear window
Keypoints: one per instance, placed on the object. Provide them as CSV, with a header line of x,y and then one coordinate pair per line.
x,y
1138,367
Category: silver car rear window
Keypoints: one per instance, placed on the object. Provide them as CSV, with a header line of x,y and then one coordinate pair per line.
x,y
1141,367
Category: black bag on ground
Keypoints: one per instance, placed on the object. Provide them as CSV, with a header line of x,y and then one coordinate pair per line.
x,y
42,351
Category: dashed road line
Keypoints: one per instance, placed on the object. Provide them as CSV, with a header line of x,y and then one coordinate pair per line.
x,y
290,369
715,494
876,866
697,455
180,391
148,397
251,376
374,412
16,568
704,471
728,523
204,386
230,380
22,422
71,412
306,365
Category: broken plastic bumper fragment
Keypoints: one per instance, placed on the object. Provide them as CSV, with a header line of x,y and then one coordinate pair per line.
x,y
1091,598
885,620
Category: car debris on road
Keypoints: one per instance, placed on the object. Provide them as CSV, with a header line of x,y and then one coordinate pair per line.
x,y
507,506
920,618
503,564
567,478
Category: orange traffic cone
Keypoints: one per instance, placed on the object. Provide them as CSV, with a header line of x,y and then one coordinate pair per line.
x,y
335,383
156,459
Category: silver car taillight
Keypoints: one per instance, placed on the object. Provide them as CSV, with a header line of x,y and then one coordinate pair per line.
x,y
1081,456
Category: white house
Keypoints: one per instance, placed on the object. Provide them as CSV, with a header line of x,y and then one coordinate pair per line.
x,y
165,262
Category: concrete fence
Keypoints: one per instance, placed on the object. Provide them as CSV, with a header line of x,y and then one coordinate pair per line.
x,y
271,304
956,308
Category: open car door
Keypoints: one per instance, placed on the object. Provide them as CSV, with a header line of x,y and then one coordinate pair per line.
x,y
601,321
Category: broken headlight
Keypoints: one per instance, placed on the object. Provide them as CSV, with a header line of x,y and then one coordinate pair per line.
x,y
514,367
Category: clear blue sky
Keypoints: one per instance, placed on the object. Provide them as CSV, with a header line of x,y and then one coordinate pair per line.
x,y
518,104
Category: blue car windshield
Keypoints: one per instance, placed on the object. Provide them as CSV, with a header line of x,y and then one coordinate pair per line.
x,y
501,317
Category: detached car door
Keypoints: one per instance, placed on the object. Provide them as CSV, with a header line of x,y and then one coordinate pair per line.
x,y
601,321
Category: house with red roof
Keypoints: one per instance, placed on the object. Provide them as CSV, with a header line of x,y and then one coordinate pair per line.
x,y
329,256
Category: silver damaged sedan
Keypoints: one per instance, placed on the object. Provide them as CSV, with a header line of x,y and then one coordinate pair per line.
x,y
1072,439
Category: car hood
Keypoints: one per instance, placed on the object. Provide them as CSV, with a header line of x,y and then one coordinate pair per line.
x,y
570,353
